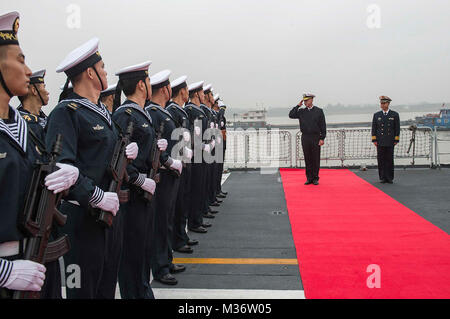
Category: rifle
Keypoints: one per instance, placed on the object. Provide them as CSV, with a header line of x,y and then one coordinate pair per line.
x,y
118,170
155,155
37,219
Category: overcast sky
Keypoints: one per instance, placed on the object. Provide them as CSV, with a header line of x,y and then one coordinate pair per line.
x,y
256,51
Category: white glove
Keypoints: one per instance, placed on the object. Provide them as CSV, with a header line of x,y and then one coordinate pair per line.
x,y
132,151
177,165
197,130
62,179
219,140
149,186
207,148
217,126
162,144
109,203
211,125
222,123
188,152
26,275
213,144
187,136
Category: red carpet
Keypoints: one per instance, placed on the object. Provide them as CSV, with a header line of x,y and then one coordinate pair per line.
x,y
345,224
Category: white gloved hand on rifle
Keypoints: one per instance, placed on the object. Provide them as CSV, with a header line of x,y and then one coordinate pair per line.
x,y
62,179
197,130
188,152
109,203
177,165
26,275
186,136
162,144
149,186
132,151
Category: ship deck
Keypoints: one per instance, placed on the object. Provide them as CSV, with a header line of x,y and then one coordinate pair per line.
x,y
249,251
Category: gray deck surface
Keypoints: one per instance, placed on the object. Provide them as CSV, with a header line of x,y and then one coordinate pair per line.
x,y
423,190
245,228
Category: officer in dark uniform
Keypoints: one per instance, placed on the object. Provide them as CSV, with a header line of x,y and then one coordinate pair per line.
x,y
385,135
313,128
134,275
32,103
180,95
198,121
107,97
165,195
19,150
89,137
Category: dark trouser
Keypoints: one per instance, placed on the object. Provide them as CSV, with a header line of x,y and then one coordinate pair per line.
x,y
385,157
207,184
197,195
212,190
165,196
132,274
311,151
96,250
180,238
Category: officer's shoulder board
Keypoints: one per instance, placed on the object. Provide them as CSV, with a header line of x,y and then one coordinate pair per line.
x,y
73,106
129,111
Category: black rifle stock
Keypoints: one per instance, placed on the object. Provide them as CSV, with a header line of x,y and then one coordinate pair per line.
x,y
38,217
155,156
118,170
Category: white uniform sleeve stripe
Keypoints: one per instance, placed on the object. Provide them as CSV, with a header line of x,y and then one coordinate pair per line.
x,y
5,271
140,180
97,196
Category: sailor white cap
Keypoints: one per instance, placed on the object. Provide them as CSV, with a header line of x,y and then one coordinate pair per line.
x,y
179,83
109,91
133,71
70,86
160,79
9,26
197,86
216,97
207,88
80,59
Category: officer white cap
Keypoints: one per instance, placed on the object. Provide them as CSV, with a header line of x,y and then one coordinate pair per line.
x,y
160,79
308,96
216,97
197,86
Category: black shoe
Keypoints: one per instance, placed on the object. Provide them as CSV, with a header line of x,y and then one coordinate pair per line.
x,y
185,250
214,204
192,242
167,279
389,181
224,193
308,182
199,229
206,225
208,215
221,196
218,201
177,268
383,181
315,182
213,211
